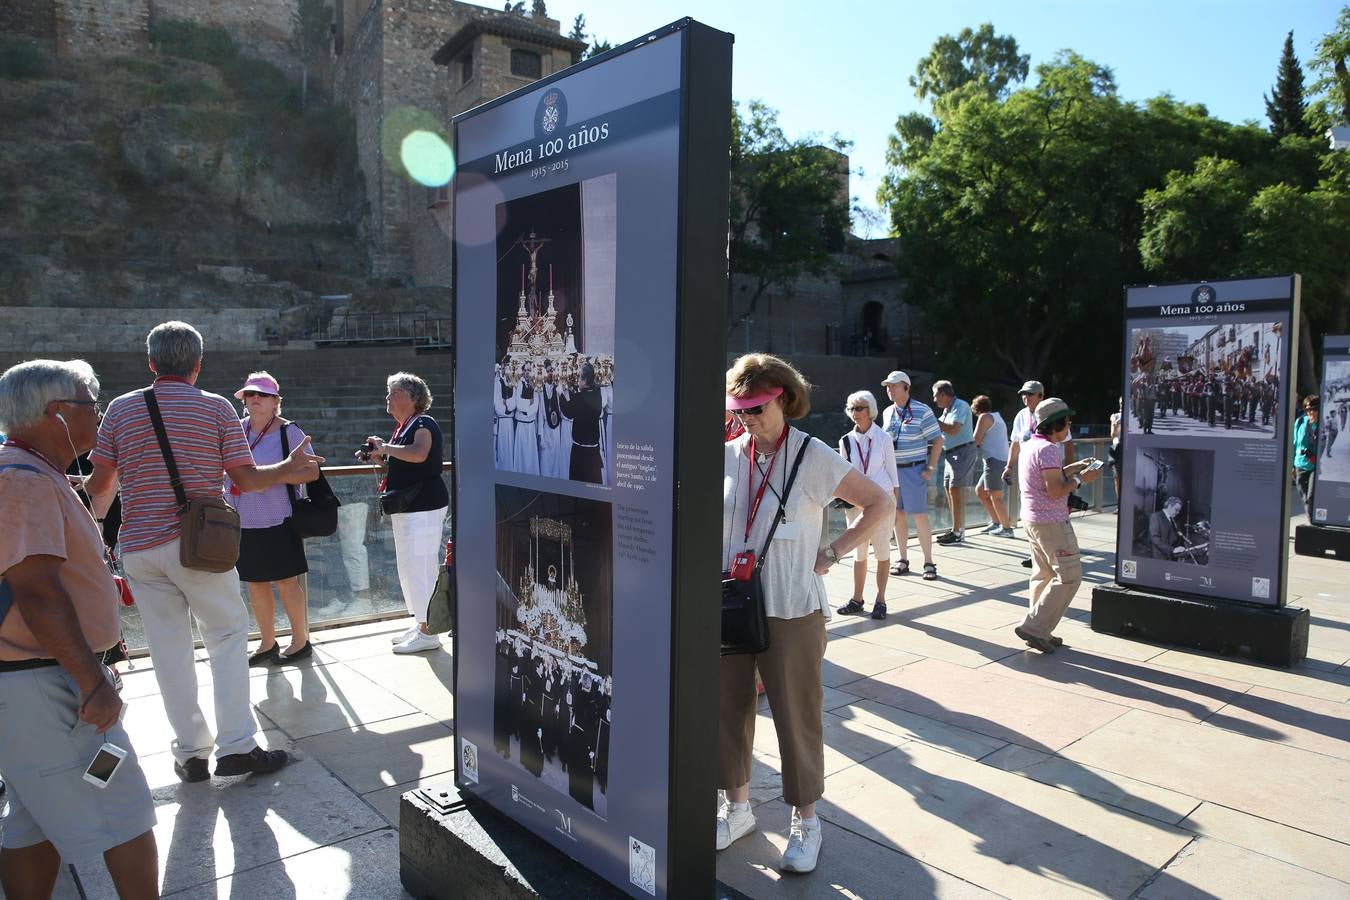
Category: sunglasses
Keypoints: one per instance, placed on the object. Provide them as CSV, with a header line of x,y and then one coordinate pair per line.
x,y
749,411
98,407
860,409
248,394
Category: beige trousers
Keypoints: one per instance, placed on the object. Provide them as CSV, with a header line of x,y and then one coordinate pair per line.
x,y
790,670
1056,572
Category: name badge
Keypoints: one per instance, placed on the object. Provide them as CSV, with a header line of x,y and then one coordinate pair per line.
x,y
787,531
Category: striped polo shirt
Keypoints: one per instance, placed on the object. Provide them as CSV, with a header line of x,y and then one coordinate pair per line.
x,y
206,438
912,428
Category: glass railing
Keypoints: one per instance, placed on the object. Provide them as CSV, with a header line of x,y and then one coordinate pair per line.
x,y
353,574
1100,495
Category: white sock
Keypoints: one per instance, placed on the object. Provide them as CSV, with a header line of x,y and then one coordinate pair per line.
x,y
814,821
742,807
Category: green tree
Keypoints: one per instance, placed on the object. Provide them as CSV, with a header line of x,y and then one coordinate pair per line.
x,y
578,32
1331,64
1021,212
1285,106
988,61
789,207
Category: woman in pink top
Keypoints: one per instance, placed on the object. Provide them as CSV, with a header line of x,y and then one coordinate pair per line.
x,y
271,551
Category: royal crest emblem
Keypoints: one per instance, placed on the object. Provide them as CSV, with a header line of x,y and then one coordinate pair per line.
x,y
551,114
1203,295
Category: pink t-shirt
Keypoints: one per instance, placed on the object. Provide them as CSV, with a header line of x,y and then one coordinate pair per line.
x,y
1039,454
206,439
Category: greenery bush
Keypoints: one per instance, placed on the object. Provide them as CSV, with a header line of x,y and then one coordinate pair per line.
x,y
181,93
328,141
204,43
262,84
22,59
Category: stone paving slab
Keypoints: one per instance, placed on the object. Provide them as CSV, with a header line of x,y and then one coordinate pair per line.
x,y
308,700
1284,784
365,867
1308,851
1180,695
848,659
953,643
996,829
852,866
384,753
1095,784
1321,726
1032,715
423,680
1209,868
912,726
1304,681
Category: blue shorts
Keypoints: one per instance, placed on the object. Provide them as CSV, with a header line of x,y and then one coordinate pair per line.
x,y
913,491
44,751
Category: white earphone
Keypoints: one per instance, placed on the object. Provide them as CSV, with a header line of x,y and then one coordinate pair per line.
x,y
62,418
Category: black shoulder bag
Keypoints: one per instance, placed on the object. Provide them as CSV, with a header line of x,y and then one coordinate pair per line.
x,y
315,514
745,623
839,503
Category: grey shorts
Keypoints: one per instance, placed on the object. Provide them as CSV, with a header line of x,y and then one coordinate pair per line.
x,y
44,751
958,465
991,475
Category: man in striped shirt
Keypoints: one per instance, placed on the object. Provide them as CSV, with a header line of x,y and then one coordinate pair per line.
x,y
207,442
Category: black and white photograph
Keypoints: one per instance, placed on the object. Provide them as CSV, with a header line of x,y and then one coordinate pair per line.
x,y
555,575
1333,463
1174,492
1211,380
553,379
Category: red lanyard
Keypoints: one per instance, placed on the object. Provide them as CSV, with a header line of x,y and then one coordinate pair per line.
x,y
865,454
262,434
398,432
24,445
756,498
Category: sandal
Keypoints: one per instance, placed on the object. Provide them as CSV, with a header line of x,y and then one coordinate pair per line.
x,y
929,572
878,610
853,607
900,568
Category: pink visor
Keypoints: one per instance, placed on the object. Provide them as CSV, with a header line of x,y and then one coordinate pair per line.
x,y
260,383
734,403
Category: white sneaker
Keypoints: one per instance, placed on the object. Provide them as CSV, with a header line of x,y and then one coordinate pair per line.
x,y
404,635
733,824
418,642
803,846
1005,532
991,528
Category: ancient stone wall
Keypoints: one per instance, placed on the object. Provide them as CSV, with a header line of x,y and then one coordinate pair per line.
x,y
357,85
37,329
28,18
262,27
101,27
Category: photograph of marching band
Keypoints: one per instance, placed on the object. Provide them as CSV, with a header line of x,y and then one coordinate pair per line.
x,y
553,681
1333,463
553,386
1174,492
1212,380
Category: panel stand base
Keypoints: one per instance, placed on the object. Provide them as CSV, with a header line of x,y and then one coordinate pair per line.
x,y
453,845
1320,540
1273,635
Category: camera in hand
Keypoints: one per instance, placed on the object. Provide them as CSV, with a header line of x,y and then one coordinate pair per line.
x,y
1078,504
365,450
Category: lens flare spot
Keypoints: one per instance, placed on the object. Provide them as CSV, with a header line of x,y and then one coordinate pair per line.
x,y
427,158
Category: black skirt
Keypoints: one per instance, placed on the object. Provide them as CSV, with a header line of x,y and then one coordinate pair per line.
x,y
271,554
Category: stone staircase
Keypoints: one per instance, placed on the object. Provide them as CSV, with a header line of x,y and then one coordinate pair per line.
x,y
335,394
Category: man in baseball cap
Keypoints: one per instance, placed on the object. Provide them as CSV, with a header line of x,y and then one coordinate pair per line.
x,y
914,432
1046,482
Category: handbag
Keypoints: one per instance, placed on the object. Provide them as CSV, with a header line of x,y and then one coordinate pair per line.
x,y
316,513
210,526
745,622
443,608
399,501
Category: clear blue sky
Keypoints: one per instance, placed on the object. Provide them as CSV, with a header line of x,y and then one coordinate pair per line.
x,y
843,67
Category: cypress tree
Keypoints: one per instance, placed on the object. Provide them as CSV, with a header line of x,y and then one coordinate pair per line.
x,y
1285,107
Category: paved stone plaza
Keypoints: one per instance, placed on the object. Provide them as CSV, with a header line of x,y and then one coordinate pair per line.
x,y
958,763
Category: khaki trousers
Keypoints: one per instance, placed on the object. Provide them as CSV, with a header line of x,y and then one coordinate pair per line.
x,y
790,670
1056,572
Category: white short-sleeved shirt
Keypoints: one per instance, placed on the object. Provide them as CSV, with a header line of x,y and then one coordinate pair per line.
x,y
792,589
1023,427
872,454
